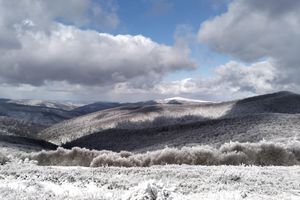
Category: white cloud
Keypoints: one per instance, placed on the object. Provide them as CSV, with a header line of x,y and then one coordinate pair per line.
x,y
39,48
253,29
81,13
185,86
89,58
102,14
231,80
256,78
45,50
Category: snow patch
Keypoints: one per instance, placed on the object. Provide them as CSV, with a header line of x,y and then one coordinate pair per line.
x,y
151,190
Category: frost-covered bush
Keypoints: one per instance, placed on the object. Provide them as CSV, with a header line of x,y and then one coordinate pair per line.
x,y
264,153
186,155
295,149
233,158
3,159
271,154
74,157
200,155
233,153
115,159
149,191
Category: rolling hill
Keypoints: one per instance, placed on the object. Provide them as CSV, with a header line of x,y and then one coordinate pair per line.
x,y
45,103
180,100
270,116
99,106
21,121
251,128
15,144
17,127
119,117
34,114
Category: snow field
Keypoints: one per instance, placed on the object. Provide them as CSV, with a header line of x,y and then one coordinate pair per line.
x,y
25,180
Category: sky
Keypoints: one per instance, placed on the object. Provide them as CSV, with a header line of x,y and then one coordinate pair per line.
x,y
137,50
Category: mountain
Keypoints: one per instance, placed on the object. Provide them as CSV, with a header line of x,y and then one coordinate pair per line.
x,y
102,105
251,128
17,127
120,116
34,114
20,121
26,118
180,100
25,121
14,145
280,102
94,107
141,118
45,103
98,106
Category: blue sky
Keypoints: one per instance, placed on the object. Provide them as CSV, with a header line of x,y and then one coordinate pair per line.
x,y
159,19
135,50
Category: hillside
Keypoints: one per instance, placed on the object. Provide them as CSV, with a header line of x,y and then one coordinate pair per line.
x,y
180,100
99,106
165,114
17,127
251,128
15,145
84,125
280,102
20,123
34,114
45,103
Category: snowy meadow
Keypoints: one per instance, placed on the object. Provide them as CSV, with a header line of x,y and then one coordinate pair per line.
x,y
26,180
263,170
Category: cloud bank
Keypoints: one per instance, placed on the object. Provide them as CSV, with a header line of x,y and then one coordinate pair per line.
x,y
89,58
229,81
47,51
261,37
41,44
251,30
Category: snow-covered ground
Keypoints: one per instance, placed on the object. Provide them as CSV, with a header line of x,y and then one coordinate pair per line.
x,y
28,181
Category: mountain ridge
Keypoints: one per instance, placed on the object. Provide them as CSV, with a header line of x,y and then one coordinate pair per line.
x,y
150,125
281,102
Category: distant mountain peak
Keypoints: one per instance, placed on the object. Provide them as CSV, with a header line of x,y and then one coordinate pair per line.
x,y
174,100
44,103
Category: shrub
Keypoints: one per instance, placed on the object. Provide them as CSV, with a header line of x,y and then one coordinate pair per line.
x,y
233,153
3,159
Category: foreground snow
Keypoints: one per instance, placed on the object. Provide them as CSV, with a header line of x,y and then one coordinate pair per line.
x,y
21,180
